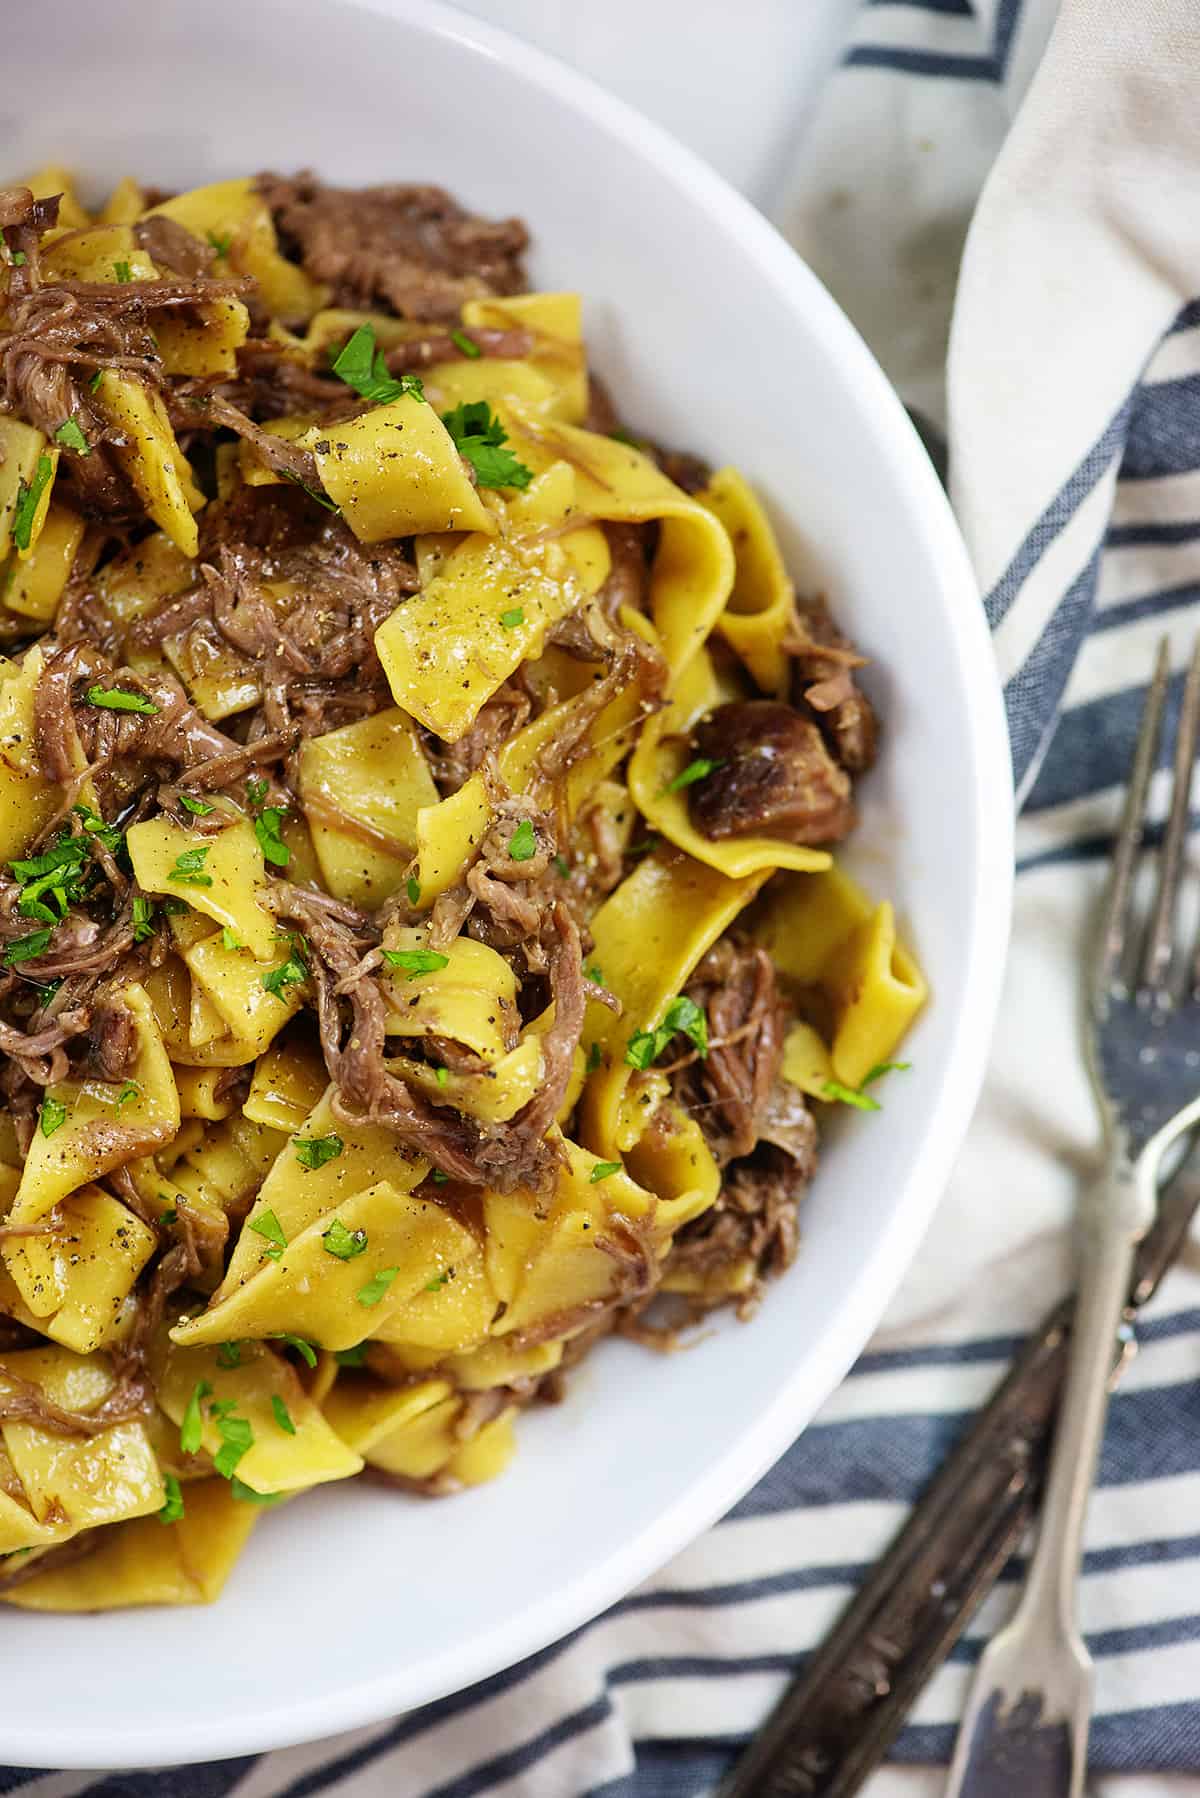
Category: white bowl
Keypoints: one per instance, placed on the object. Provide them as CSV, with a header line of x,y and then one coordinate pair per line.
x,y
355,1603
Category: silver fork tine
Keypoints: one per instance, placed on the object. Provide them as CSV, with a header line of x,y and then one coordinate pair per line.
x,y
1115,918
1156,956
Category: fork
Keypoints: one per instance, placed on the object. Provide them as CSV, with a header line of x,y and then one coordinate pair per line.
x,y
1025,1730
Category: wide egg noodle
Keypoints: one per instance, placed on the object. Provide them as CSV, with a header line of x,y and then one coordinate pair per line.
x,y
394,470
81,1274
363,787
761,603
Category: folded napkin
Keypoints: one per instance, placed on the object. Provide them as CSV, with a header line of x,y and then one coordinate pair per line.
x,y
1073,416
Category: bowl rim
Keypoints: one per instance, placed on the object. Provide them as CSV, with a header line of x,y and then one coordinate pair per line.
x,y
742,1462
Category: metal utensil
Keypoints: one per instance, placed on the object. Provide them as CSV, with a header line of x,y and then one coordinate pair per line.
x,y
1027,1720
835,1724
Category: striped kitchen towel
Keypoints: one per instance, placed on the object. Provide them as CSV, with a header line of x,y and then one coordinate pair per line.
x,y
1073,416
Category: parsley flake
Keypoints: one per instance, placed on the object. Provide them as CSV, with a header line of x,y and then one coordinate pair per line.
x,y
351,1357
26,947
230,939
123,272
28,498
511,619
267,1225
361,366
143,919
595,1058
603,1169
130,1091
305,1350
172,1508
415,961
443,1076
72,438
373,1291
266,829
256,789
221,241
438,1177
466,346
291,972
95,381
191,1430
836,1093
682,1015
595,974
480,437
19,259
283,1416
412,887
885,1067
700,769
522,845
116,699
441,1280
199,808
344,1244
249,1496
237,1436
562,866
315,1151
54,1115
229,1354
189,869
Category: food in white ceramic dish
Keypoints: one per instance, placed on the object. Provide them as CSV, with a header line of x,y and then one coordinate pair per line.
x,y
423,951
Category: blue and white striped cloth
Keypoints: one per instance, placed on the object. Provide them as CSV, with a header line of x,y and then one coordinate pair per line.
x,y
1074,420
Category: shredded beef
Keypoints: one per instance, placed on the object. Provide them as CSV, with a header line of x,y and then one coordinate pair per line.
x,y
825,664
728,1088
771,775
409,247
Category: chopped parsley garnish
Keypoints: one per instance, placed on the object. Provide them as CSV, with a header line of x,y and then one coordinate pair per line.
x,y
291,972
351,1357
683,1015
283,1416
94,826
344,1244
315,1151
522,845
116,699
191,1430
236,1433
412,887
199,808
700,769
562,866
603,1169
415,961
249,1496
28,497
373,1291
835,1092
480,437
19,259
438,1177
189,869
54,1115
256,789
130,1091
361,366
229,1354
267,1225
266,829
143,919
304,1349
175,908
52,881
595,1058
858,1096
72,438
443,1075
26,947
123,272
437,1284
169,1216
230,939
322,499
172,1508
220,241
95,381
595,974
885,1067
465,345
511,619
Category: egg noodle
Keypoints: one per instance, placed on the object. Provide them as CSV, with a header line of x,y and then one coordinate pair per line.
x,y
421,948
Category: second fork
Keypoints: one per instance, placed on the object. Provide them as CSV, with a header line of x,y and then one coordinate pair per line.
x,y
1026,1725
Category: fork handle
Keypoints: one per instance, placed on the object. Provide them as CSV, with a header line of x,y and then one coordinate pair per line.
x,y
1108,1247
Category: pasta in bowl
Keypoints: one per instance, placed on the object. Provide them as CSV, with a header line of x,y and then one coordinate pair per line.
x,y
423,948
